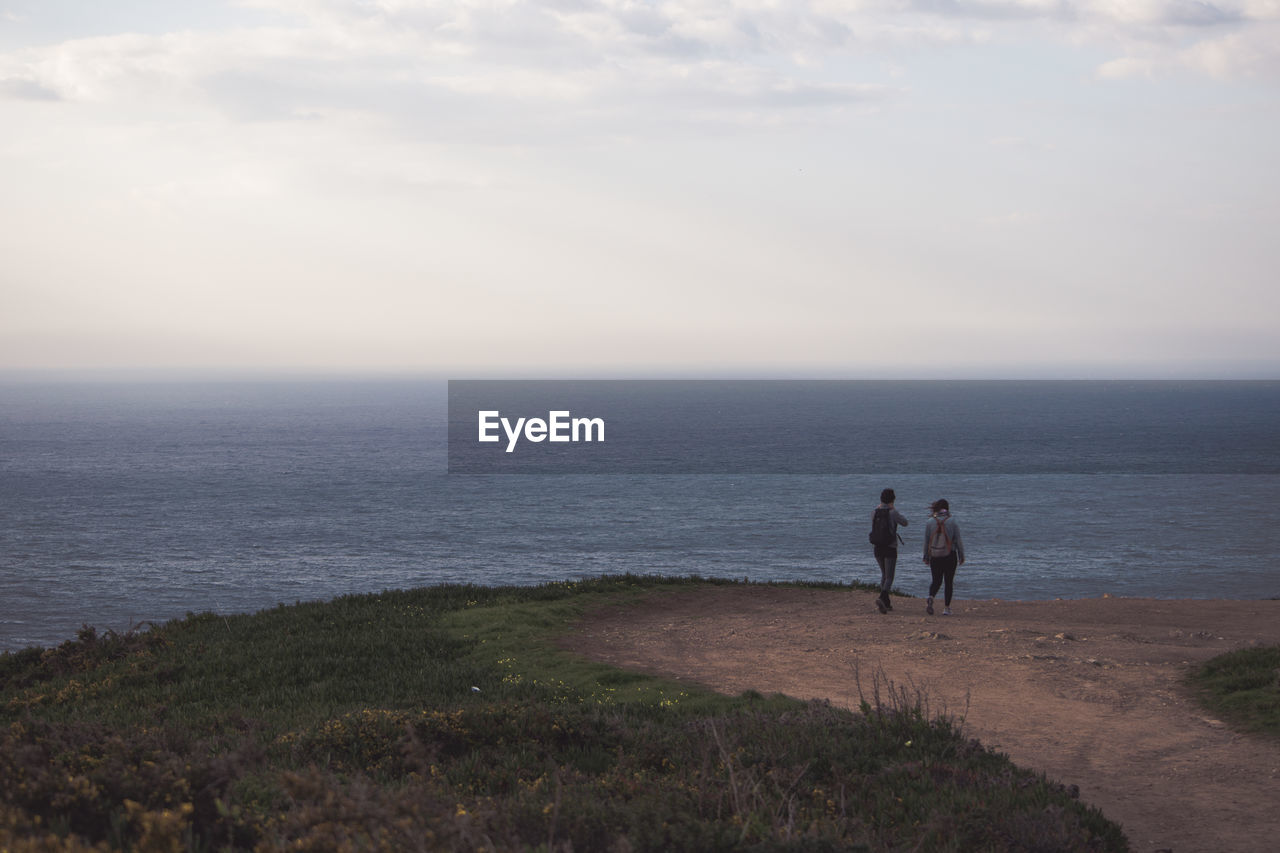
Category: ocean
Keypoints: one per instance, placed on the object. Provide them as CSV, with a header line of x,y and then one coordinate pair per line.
x,y
127,503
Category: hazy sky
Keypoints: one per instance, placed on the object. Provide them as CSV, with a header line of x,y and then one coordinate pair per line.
x,y
585,187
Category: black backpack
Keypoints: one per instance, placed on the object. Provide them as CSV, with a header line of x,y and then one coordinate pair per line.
x,y
882,531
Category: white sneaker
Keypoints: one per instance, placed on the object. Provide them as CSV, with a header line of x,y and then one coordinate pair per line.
x,y
946,611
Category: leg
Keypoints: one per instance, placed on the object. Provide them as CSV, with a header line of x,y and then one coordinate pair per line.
x,y
888,582
880,562
888,567
887,559
935,568
949,574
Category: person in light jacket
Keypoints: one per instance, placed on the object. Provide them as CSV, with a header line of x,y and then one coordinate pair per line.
x,y
943,551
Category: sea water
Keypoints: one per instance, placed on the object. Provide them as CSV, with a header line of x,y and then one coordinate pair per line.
x,y
126,503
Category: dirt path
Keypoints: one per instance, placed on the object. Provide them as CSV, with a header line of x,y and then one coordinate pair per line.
x,y
1089,691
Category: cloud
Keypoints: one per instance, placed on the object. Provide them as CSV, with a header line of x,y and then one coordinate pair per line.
x,y
575,60
26,90
1251,54
467,69
1127,66
1165,13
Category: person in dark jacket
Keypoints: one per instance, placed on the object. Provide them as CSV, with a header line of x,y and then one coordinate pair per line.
x,y
943,551
887,555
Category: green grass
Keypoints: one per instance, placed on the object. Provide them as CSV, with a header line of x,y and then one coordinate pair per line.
x,y
445,718
1243,687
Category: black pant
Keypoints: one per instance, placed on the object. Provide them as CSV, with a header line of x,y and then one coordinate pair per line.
x,y
943,569
887,558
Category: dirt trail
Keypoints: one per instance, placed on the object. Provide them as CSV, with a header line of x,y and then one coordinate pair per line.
x,y
1089,692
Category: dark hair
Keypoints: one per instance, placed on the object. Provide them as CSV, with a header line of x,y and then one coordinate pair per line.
x,y
888,496
940,503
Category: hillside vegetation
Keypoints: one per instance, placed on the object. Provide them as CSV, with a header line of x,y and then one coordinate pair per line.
x,y
444,718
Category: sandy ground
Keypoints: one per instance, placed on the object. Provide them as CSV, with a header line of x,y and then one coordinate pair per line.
x,y
1089,692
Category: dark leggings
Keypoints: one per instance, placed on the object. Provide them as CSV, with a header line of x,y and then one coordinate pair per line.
x,y
944,569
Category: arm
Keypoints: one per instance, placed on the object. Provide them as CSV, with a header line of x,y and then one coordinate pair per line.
x,y
954,529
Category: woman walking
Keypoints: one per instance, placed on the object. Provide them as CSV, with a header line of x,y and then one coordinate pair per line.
x,y
943,551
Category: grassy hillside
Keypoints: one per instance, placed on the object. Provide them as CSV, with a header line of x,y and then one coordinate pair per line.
x,y
443,718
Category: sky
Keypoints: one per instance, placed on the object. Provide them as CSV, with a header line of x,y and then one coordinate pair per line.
x,y
712,188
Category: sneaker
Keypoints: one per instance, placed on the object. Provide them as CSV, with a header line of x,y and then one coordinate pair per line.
x,y
946,611
880,605
888,603
928,607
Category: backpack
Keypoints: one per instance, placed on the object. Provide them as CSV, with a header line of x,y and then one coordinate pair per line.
x,y
940,548
882,532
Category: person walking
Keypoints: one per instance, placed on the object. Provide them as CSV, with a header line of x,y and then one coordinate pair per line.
x,y
885,521
943,551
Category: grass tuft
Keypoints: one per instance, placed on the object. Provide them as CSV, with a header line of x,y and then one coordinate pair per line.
x,y
1243,687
